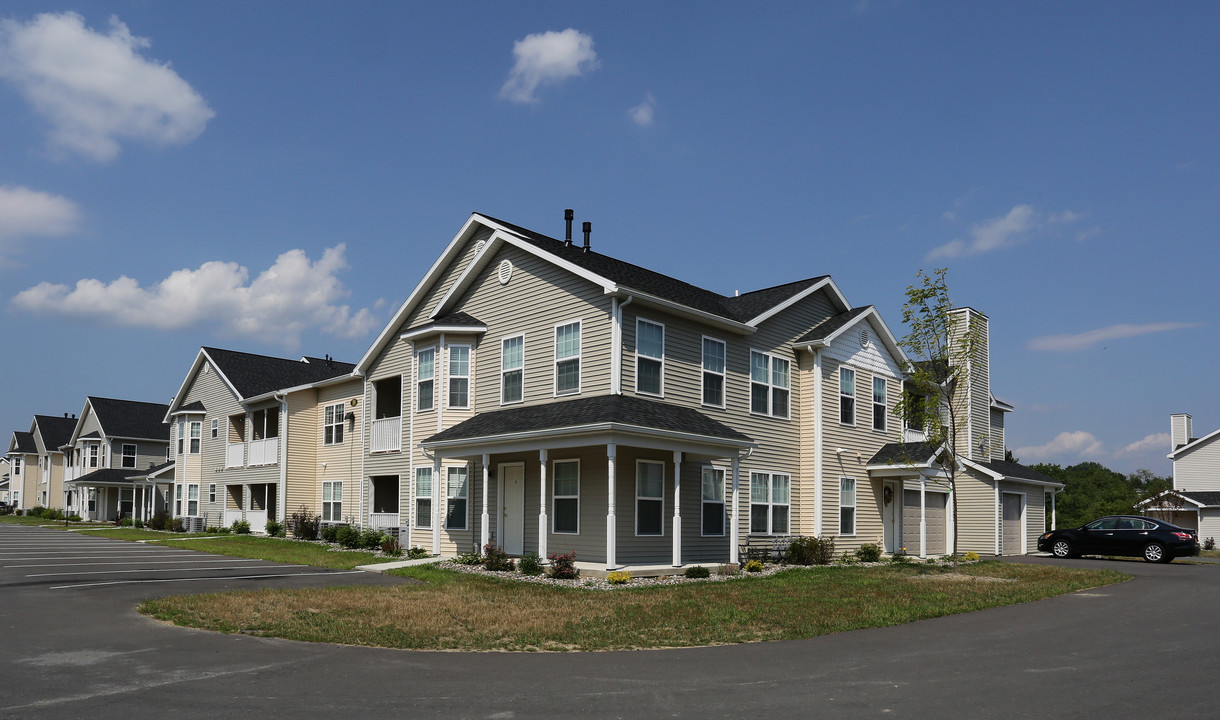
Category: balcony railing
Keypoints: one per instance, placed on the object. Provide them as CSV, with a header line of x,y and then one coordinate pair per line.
x,y
235,455
383,521
911,436
387,434
263,452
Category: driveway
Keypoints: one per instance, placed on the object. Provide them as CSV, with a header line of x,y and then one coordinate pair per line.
x,y
1147,646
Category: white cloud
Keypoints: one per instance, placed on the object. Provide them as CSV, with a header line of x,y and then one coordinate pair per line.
x,y
1156,441
30,213
644,113
293,295
1072,446
1089,234
95,88
991,234
1089,340
547,58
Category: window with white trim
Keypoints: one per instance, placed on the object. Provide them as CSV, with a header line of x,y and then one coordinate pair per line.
x,y
192,500
332,424
879,403
459,376
649,357
178,500
769,503
512,369
770,384
565,505
567,358
196,432
847,396
93,454
712,492
129,455
215,427
423,497
211,492
167,453
847,506
649,497
332,501
181,435
714,352
425,376
17,465
457,492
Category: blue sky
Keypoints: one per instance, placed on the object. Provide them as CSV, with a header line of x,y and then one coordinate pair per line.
x,y
276,177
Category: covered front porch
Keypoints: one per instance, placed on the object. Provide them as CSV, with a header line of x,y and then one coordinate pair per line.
x,y
916,503
113,494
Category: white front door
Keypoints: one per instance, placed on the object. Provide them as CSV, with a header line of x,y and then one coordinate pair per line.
x,y
512,508
891,499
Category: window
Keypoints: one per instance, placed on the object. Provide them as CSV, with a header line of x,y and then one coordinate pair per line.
x,y
192,500
16,465
847,396
512,367
770,381
769,500
181,434
93,452
332,501
879,403
215,427
649,498
332,425
565,509
649,357
713,372
129,455
212,492
167,453
459,376
847,506
196,431
457,491
567,358
423,497
713,501
178,500
265,424
425,361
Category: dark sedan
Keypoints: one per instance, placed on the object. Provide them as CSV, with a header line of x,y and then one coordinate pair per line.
x,y
1133,535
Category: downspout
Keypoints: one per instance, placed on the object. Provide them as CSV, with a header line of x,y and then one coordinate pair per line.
x,y
996,524
616,343
364,418
412,521
817,443
281,500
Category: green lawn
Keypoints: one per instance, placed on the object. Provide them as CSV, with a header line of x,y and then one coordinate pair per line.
x,y
131,533
456,611
30,520
278,550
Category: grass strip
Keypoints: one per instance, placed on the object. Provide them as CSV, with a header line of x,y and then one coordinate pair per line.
x,y
456,611
132,534
294,552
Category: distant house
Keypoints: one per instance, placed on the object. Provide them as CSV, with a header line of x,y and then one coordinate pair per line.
x,y
36,463
1194,501
5,467
24,473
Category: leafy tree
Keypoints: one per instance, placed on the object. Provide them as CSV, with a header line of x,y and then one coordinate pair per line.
x,y
1091,490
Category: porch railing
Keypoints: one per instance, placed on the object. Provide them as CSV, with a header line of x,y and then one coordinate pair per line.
x,y
911,436
382,521
264,452
387,434
235,455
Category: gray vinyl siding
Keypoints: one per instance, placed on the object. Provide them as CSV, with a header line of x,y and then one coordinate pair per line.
x,y
1199,469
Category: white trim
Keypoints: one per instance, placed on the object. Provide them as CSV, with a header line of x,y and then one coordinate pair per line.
x,y
520,369
341,423
579,358
468,377
416,497
879,326
855,506
501,506
855,396
135,455
770,383
535,436
818,443
1192,445
464,467
826,282
724,496
660,360
885,407
724,373
556,496
434,349
770,503
1024,511
434,329
649,498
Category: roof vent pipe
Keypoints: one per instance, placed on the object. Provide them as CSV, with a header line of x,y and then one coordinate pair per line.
x,y
588,228
567,220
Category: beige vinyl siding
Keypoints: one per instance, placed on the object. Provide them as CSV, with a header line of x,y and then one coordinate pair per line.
x,y
1035,510
976,513
209,465
302,456
1199,469
998,441
1209,524
343,461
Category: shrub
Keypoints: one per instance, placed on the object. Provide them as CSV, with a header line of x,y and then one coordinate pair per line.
x,y
563,566
212,529
697,572
530,564
390,546
52,514
417,553
348,537
240,527
330,533
36,511
467,558
728,570
273,528
494,558
848,558
138,523
73,518
223,530
618,577
900,556
754,566
304,525
176,525
869,552
159,521
1209,544
812,551
126,522
971,556
370,539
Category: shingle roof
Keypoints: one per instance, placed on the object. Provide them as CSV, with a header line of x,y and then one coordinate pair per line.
x,y
253,375
903,453
55,430
1017,470
457,319
1209,499
131,418
196,406
832,324
595,410
25,442
740,308
155,469
109,475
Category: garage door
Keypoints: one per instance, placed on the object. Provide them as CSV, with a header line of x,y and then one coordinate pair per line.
x,y
935,516
1012,524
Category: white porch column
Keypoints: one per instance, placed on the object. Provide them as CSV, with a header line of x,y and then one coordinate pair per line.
x,y
1054,523
542,521
485,537
611,522
436,505
923,516
733,525
677,561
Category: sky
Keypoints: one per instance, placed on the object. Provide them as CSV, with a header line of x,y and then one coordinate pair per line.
x,y
276,177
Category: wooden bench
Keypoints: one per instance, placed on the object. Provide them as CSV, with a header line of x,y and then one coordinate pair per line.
x,y
764,548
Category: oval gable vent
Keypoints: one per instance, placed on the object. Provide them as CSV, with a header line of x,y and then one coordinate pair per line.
x,y
505,272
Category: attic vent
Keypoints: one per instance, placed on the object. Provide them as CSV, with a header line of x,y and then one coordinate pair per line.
x,y
478,247
206,368
863,337
505,272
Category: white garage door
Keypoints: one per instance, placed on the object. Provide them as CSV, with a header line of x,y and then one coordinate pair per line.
x,y
936,517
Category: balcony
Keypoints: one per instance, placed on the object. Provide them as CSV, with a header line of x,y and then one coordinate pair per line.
x,y
387,435
383,521
235,455
264,452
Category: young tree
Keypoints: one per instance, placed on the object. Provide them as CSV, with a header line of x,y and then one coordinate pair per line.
x,y
938,345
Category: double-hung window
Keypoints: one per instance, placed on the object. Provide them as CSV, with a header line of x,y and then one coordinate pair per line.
x,y
196,432
332,501
769,503
423,497
192,500
649,357
512,369
93,450
649,497
713,372
847,506
459,376
770,384
212,492
332,425
17,467
215,427
879,403
129,455
567,358
713,501
565,511
425,374
181,437
457,492
847,396
177,500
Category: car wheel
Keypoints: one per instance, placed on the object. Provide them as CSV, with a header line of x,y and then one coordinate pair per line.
x,y
1061,549
1155,553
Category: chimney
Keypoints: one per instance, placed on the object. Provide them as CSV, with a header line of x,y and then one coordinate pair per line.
x,y
567,221
972,396
588,228
1179,430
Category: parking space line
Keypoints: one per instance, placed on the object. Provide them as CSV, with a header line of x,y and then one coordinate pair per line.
x,y
231,577
159,570
139,562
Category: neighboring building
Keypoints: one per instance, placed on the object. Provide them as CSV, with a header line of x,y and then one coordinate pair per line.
x,y
235,420
24,473
4,479
50,432
1194,501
